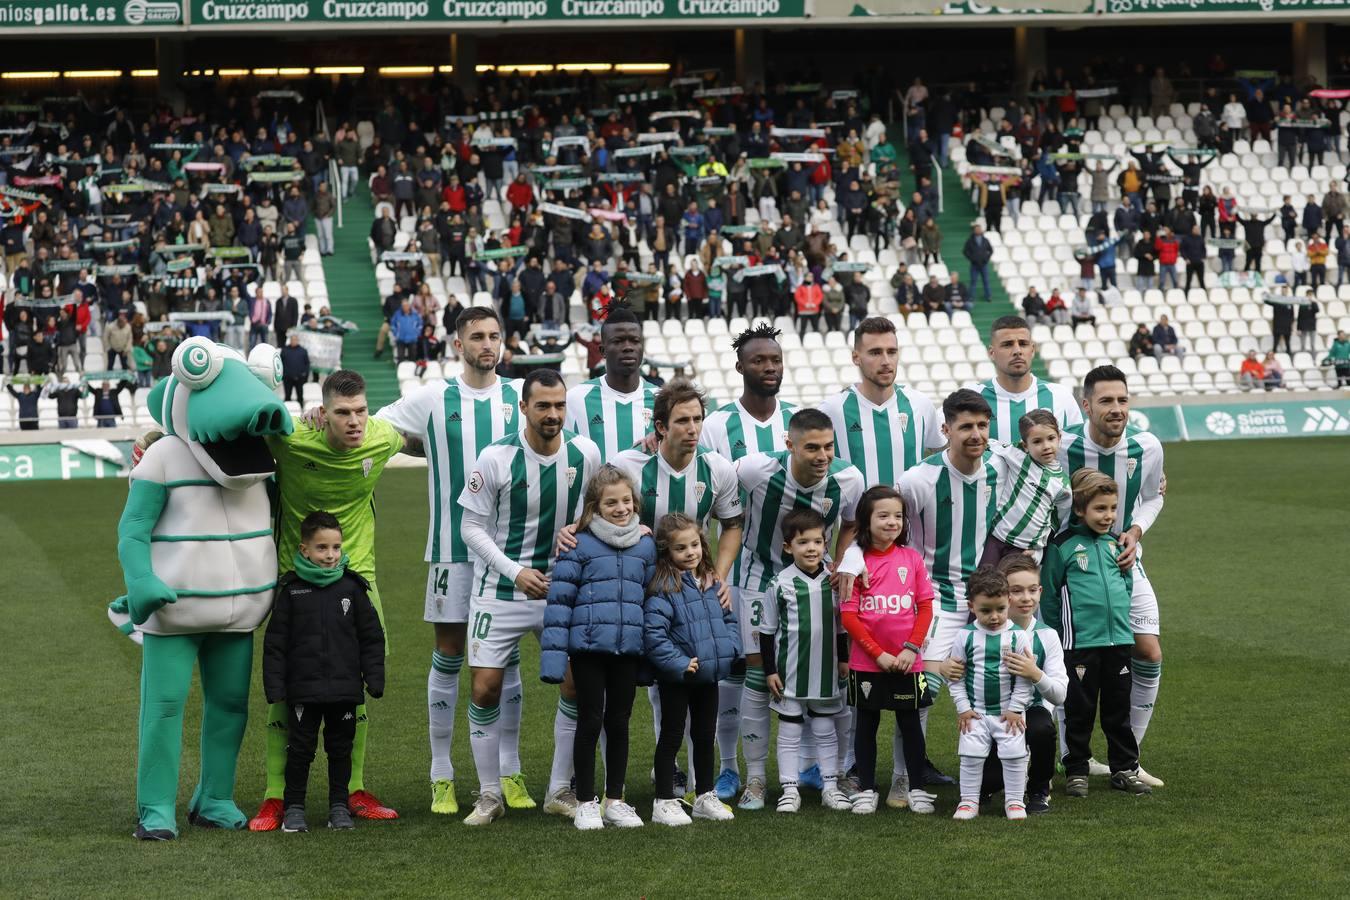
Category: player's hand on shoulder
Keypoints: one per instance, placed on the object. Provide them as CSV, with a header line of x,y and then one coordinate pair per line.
x,y
567,538
1022,665
313,417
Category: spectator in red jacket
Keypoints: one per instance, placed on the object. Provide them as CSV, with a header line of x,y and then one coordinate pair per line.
x,y
520,195
808,297
453,193
1168,249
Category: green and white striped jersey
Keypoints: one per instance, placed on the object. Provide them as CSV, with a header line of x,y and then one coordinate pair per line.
x,y
770,494
803,617
455,422
1049,653
734,433
1033,500
1008,408
614,421
950,516
883,441
988,687
1136,464
705,489
526,498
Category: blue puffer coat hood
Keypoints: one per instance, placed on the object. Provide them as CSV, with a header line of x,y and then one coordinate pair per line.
x,y
691,623
595,602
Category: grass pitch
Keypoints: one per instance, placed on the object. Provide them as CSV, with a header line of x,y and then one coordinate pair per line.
x,y
1249,735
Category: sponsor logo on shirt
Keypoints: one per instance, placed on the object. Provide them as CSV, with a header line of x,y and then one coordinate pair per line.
x,y
885,604
454,417
310,466
855,426
597,419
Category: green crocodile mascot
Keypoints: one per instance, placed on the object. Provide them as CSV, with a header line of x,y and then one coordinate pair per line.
x,y
195,544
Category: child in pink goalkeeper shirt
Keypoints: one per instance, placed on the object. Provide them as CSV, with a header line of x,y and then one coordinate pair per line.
x,y
887,620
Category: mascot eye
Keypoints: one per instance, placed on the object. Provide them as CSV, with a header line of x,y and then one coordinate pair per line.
x,y
197,362
265,362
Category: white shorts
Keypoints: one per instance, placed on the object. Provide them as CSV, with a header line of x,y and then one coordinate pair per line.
x,y
942,634
799,708
496,627
1143,602
985,732
749,606
448,588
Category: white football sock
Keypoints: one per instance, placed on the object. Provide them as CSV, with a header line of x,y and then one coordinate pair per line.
x,y
789,742
442,698
513,703
806,751
729,721
1144,679
485,738
564,736
845,724
972,776
825,731
898,755
1014,778
755,724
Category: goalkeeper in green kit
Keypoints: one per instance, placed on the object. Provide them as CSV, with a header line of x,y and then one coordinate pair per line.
x,y
334,466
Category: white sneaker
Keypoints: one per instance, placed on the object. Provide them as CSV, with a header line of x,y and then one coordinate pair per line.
x,y
833,798
921,801
669,812
486,808
753,795
1096,769
587,817
618,814
562,802
791,801
865,803
707,806
898,798
1015,810
1150,780
966,810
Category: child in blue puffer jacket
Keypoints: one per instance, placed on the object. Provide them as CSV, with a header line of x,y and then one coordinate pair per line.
x,y
692,642
594,620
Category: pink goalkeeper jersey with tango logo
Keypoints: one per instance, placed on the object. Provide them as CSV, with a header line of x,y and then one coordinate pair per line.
x,y
890,606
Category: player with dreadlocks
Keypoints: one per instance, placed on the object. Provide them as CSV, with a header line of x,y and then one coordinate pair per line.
x,y
756,422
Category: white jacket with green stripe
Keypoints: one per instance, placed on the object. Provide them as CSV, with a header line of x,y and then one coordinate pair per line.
x,y
212,545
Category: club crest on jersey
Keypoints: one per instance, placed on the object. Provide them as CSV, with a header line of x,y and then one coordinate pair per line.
x,y
366,466
903,572
571,475
1081,558
1130,465
507,411
699,488
826,504
903,419
646,417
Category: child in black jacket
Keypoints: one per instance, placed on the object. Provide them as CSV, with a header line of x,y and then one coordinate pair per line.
x,y
323,643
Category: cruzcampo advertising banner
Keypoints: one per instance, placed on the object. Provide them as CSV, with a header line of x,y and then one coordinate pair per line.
x,y
92,14
64,461
236,13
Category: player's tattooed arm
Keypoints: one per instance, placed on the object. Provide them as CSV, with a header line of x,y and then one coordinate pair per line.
x,y
413,446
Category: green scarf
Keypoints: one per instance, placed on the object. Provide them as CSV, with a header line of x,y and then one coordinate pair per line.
x,y
317,575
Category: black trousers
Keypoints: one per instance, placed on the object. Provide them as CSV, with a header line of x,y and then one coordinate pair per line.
x,y
339,729
1198,271
865,746
1104,685
605,684
696,703
1041,744
297,385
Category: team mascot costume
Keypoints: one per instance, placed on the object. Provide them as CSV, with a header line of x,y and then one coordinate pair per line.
x,y
195,544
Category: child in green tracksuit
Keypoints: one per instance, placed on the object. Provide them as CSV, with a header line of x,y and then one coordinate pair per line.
x,y
1086,598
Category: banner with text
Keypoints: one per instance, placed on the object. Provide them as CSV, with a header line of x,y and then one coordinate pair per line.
x,y
64,461
235,13
1230,421
31,15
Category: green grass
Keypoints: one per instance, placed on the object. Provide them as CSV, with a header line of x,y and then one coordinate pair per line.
x,y
1249,734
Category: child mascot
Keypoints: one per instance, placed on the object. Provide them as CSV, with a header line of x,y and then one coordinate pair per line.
x,y
195,544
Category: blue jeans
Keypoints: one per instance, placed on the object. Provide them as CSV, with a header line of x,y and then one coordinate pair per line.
x,y
979,274
1165,272
1068,200
1145,282
1137,201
